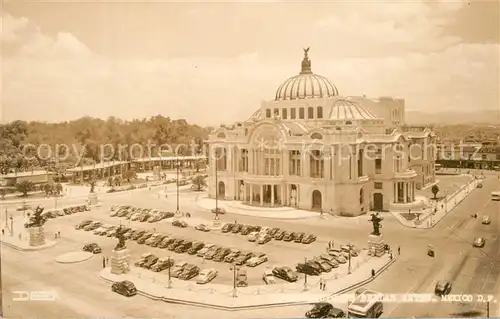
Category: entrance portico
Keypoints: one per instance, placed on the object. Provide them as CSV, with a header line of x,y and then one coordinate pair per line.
x,y
262,194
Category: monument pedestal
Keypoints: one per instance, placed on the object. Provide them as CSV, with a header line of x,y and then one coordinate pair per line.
x,y
216,225
376,245
93,200
37,236
120,262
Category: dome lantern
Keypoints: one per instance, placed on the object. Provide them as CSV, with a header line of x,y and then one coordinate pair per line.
x,y
306,63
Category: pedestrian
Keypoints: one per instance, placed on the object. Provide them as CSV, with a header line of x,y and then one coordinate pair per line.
x,y
58,234
373,272
324,285
107,261
321,213
390,256
3,231
321,283
399,250
103,262
55,235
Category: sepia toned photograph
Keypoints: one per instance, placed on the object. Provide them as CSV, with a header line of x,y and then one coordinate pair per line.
x,y
250,159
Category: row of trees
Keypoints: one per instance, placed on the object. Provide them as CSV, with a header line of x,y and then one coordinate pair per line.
x,y
86,136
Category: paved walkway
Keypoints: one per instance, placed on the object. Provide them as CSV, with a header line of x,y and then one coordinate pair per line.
x,y
23,243
430,216
236,207
155,285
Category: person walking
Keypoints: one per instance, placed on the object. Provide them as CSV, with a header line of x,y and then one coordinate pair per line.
x,y
103,262
321,283
3,231
324,285
373,272
58,234
399,250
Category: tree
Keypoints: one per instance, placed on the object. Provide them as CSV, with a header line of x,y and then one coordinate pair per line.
x,y
24,187
3,192
47,189
118,180
435,190
58,188
129,174
199,182
110,181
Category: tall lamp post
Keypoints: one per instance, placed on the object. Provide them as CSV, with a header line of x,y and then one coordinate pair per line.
x,y
305,274
350,255
216,222
235,288
177,211
169,286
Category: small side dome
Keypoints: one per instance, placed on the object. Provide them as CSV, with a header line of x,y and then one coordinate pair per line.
x,y
347,110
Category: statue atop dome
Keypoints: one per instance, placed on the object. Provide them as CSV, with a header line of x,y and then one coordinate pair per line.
x,y
306,63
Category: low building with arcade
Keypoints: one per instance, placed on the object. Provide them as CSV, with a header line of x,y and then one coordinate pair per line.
x,y
314,149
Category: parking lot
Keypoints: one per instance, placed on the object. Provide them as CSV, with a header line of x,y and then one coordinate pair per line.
x,y
278,252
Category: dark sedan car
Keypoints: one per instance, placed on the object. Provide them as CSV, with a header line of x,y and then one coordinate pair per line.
x,y
138,234
150,262
143,238
92,248
175,244
273,231
309,238
442,288
297,237
288,236
308,268
243,257
279,235
179,223
228,228
246,229
166,242
157,241
222,254
325,310
236,228
197,246
125,288
83,224
189,272
212,252
285,273
183,247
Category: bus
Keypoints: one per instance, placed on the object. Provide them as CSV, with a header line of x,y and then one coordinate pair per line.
x,y
367,304
495,195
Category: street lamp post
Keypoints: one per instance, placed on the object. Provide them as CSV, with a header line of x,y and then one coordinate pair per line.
x,y
349,266
305,274
177,211
235,288
169,278
11,225
216,222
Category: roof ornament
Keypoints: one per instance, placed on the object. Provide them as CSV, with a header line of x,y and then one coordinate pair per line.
x,y
306,62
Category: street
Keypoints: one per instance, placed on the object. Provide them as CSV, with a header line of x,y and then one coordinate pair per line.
x,y
81,293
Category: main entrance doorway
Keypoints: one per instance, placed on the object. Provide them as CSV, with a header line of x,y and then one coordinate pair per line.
x,y
317,200
378,201
222,190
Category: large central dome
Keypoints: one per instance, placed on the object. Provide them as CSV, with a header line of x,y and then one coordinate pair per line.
x,y
306,85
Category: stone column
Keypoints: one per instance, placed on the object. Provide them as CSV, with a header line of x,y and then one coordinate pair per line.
x,y
244,199
81,177
327,164
405,190
251,193
272,195
261,193
395,192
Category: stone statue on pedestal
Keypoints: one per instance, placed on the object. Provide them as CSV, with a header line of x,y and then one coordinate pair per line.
x,y
376,221
121,239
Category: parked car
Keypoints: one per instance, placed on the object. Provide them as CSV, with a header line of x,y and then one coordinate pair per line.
x,y
479,242
197,246
179,223
263,239
330,260
325,310
273,231
245,230
92,226
212,252
202,252
166,242
232,256
150,262
177,269
162,264
258,259
253,236
206,276
152,239
138,234
219,210
182,248
236,228
158,240
173,245
241,278
288,236
308,268
190,271
221,254
486,220
202,227
297,237
227,227
442,288
125,288
144,237
323,264
279,235
308,238
285,273
83,224
268,277
92,248
143,259
243,258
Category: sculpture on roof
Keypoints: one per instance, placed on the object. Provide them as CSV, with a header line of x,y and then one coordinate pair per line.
x,y
306,63
306,51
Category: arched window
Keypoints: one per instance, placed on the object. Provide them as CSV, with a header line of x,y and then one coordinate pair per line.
x,y
301,113
319,112
268,113
310,112
316,136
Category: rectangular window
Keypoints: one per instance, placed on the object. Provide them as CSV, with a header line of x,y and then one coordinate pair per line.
x,y
310,112
378,166
292,114
378,185
294,167
301,113
276,112
319,112
268,113
284,113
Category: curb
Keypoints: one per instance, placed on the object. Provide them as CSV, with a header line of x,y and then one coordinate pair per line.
x,y
35,248
255,215
73,261
260,306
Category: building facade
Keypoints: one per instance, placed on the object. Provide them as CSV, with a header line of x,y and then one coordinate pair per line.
x,y
313,149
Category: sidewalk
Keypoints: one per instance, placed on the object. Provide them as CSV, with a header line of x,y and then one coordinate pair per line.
x,y
23,243
155,286
237,208
429,217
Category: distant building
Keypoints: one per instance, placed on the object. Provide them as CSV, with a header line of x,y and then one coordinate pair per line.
x,y
40,177
469,156
313,149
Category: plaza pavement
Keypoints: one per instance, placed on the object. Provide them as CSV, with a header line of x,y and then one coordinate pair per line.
x,y
155,286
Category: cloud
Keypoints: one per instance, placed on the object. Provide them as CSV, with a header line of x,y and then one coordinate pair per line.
x,y
380,50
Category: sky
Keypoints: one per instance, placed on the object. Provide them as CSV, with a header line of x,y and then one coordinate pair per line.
x,y
214,62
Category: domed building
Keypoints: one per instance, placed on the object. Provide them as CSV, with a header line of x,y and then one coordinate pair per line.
x,y
314,149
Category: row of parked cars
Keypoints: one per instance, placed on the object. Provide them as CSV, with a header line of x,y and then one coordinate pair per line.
x,y
263,235
54,213
326,262
149,215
